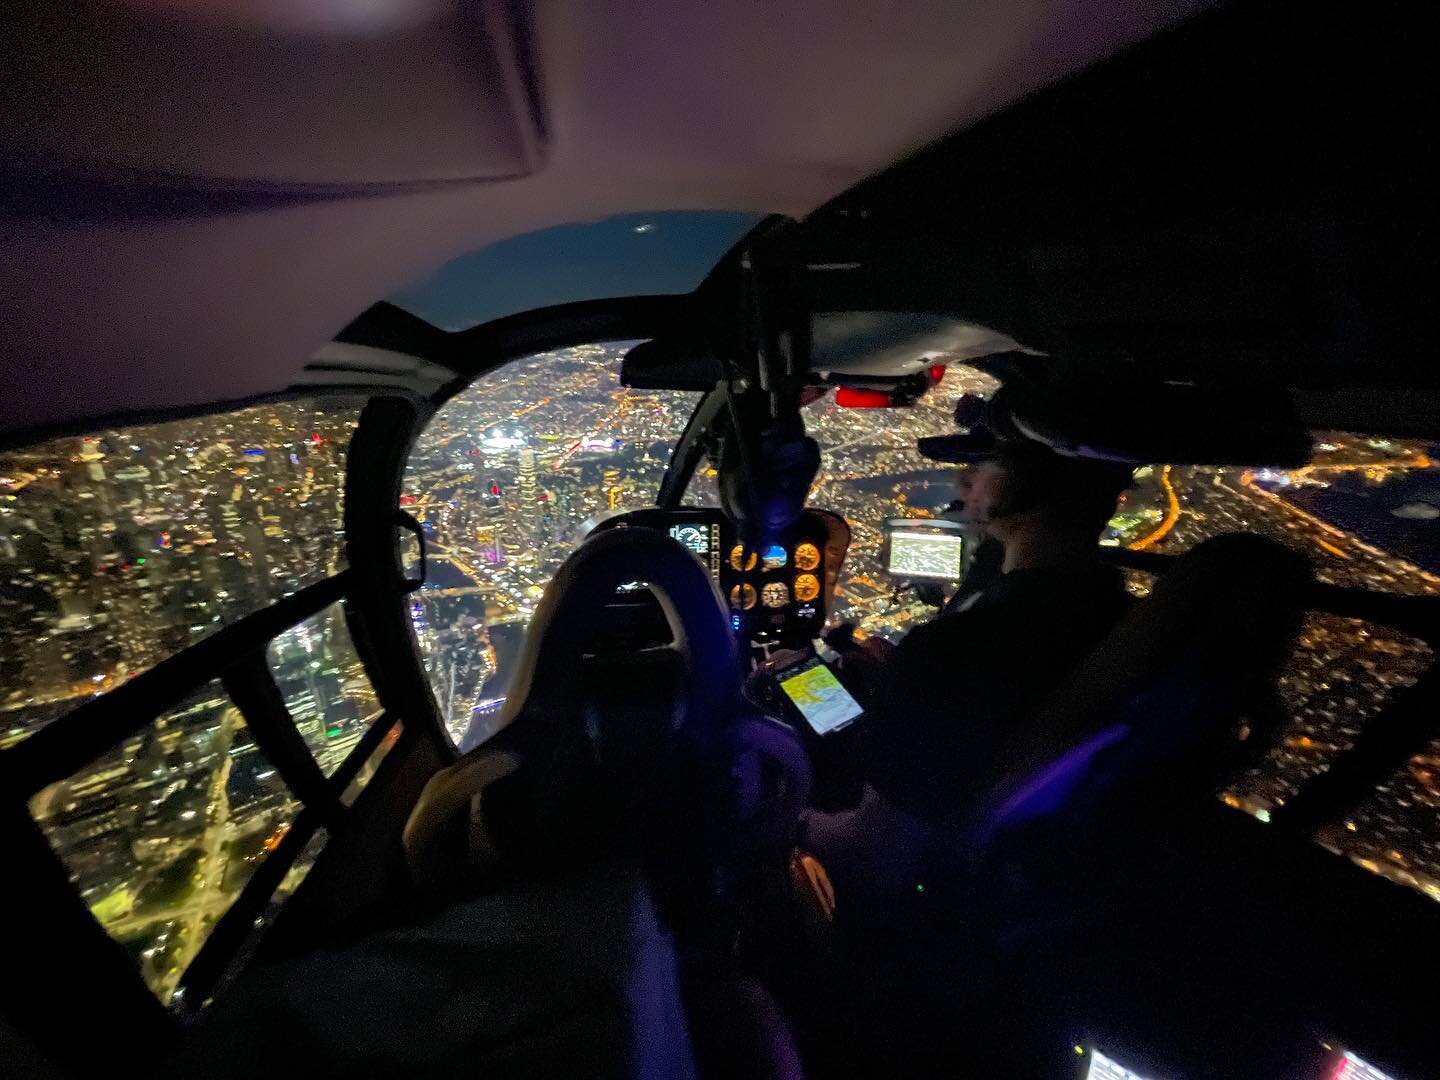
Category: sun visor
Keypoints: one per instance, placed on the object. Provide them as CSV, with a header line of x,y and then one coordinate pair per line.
x,y
244,94
671,363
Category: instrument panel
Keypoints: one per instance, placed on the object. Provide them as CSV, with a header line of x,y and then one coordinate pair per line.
x,y
781,592
778,592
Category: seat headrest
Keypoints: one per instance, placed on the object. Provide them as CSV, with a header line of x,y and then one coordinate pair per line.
x,y
581,727
563,627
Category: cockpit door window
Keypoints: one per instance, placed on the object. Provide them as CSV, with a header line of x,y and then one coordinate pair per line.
x,y
182,710
161,834
123,547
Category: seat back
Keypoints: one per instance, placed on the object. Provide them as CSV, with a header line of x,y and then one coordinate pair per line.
x,y
623,756
1174,695
572,710
1070,865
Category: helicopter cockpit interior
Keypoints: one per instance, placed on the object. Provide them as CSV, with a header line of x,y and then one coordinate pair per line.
x,y
473,696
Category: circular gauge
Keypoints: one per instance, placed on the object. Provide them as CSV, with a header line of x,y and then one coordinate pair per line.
x,y
693,537
807,588
742,597
775,595
740,559
775,557
807,557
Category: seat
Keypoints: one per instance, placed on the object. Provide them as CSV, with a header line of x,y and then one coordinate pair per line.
x,y
619,724
1170,701
1138,739
1071,875
630,755
558,871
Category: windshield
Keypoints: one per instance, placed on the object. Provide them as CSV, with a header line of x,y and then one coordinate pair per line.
x,y
506,480
651,254
871,471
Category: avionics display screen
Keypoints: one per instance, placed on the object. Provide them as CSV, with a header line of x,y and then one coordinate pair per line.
x,y
816,692
703,540
695,536
1102,1068
925,555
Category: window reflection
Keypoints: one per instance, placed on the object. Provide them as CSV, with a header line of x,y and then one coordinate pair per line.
x,y
324,685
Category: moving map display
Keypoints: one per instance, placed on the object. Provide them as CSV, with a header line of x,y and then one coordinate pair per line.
x,y
816,692
929,555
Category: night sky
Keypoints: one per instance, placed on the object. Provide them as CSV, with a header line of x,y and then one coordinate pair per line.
x,y
629,255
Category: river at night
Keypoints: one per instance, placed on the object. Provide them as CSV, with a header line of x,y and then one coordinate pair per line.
x,y
1367,510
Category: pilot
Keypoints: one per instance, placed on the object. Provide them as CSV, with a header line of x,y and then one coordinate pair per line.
x,y
952,709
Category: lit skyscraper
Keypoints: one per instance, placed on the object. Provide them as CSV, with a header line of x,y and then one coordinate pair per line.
x,y
529,491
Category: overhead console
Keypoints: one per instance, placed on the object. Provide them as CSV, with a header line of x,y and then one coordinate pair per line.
x,y
830,306
878,312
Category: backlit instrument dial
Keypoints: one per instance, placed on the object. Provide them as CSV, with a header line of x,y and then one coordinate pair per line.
x,y
807,557
807,587
742,597
740,559
693,537
775,595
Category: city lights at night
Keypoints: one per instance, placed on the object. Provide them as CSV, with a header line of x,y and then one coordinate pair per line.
x,y
122,548
118,551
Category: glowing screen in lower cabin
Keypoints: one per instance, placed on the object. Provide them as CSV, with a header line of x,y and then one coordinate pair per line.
x,y
1102,1068
1350,1067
